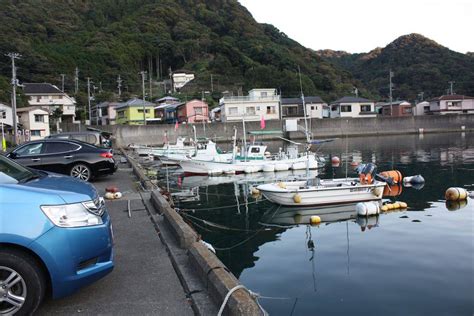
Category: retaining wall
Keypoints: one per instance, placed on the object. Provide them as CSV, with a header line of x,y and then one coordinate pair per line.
x,y
321,128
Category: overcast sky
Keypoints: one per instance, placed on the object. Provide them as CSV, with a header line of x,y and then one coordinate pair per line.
x,y
361,25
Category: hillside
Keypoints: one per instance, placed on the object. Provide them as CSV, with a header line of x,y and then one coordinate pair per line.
x,y
419,65
111,37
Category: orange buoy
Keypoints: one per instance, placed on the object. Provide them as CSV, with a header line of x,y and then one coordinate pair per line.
x,y
394,174
392,190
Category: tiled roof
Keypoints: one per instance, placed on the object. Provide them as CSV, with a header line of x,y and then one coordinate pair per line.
x,y
452,97
41,88
134,103
314,99
351,99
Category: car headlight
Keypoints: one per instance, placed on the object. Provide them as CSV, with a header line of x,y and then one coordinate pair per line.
x,y
72,215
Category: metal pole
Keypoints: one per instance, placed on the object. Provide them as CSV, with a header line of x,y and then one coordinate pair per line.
x,y
391,98
14,83
143,88
89,98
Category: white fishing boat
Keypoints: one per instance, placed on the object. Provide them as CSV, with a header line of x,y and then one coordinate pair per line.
x,y
203,151
167,148
324,192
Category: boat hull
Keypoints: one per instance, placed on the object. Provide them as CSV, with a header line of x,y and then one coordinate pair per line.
x,y
284,193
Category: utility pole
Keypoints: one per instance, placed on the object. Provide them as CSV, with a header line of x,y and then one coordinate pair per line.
x,y
119,86
76,81
421,95
100,86
451,83
150,76
142,73
212,83
89,98
62,82
391,97
14,83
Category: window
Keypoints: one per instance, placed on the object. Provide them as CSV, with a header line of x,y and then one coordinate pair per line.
x,y
270,110
60,147
121,114
233,111
29,150
3,114
38,98
454,104
346,108
255,150
250,110
264,94
35,133
258,108
407,111
39,118
198,111
365,108
313,108
147,111
104,111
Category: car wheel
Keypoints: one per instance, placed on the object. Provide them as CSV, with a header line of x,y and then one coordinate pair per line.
x,y
81,171
22,284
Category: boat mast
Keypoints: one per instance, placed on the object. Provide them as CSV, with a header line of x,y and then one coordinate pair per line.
x,y
234,145
305,127
245,138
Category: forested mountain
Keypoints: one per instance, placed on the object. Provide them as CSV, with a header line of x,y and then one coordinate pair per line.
x,y
111,37
418,63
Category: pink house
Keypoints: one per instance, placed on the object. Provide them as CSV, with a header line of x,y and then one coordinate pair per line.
x,y
193,111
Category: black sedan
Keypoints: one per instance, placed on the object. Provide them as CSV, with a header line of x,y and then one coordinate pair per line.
x,y
72,157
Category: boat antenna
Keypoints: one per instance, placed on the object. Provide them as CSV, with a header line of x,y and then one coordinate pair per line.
x,y
304,107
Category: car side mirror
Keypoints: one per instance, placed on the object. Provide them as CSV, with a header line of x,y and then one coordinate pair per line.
x,y
12,155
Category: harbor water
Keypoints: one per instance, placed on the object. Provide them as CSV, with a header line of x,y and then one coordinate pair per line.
x,y
418,261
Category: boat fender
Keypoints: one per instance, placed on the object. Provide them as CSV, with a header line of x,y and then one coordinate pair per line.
x,y
395,175
335,160
384,208
396,205
315,220
297,198
282,185
418,179
368,208
390,206
109,196
255,191
403,205
117,195
456,194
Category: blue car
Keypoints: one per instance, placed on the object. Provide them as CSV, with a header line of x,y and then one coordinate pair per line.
x,y
55,237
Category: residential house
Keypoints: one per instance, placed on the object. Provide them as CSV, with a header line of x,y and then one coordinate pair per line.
x,y
397,108
170,112
422,108
350,106
167,100
131,112
452,104
193,111
105,113
181,79
50,97
293,107
259,103
6,116
35,122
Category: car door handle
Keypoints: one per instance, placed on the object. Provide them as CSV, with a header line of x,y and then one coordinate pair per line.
x,y
67,157
35,159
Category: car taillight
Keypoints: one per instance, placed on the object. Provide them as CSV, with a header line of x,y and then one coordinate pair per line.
x,y
107,155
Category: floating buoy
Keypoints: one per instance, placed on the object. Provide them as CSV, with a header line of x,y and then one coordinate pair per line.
x,y
282,185
315,220
384,208
335,160
112,189
393,174
109,195
117,195
392,190
297,198
368,208
418,179
396,205
255,191
390,206
455,194
403,205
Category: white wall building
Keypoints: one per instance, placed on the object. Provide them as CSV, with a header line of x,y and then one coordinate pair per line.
x,y
259,102
452,104
35,121
181,79
422,108
51,97
315,107
353,107
6,116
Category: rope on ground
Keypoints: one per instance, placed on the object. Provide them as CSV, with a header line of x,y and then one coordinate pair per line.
x,y
238,287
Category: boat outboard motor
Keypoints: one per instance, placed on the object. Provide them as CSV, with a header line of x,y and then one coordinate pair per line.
x,y
366,173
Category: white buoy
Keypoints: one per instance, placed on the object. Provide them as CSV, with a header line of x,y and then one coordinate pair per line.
x,y
368,208
117,195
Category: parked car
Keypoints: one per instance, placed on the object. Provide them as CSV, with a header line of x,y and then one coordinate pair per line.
x,y
71,157
92,137
56,237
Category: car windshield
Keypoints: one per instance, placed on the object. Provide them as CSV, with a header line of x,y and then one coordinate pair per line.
x,y
15,171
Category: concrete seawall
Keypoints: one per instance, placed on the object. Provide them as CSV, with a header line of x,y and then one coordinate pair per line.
x,y
321,128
